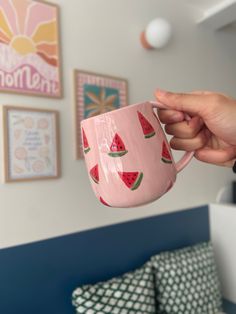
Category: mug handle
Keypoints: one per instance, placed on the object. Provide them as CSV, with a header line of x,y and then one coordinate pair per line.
x,y
187,157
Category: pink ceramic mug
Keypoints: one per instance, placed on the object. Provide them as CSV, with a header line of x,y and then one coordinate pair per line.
x,y
128,157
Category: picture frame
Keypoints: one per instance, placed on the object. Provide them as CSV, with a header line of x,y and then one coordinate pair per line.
x,y
95,94
30,49
31,144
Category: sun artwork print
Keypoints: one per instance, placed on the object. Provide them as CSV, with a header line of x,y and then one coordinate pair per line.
x,y
99,100
29,48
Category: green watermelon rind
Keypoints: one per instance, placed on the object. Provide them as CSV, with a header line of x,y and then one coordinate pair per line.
x,y
167,161
94,180
150,134
118,154
86,150
137,182
144,121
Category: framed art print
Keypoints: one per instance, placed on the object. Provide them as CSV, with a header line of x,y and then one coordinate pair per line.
x,y
30,48
31,144
96,94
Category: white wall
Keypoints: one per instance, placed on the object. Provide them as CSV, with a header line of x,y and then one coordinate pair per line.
x,y
223,235
103,36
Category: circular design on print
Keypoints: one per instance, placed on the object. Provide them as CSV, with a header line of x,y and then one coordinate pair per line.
x,y
38,166
20,153
28,123
43,123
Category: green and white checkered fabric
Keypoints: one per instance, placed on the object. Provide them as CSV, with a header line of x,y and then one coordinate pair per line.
x,y
187,282
132,293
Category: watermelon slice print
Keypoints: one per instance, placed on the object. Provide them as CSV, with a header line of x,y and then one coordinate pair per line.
x,y
94,174
85,143
104,202
131,179
148,130
166,157
117,148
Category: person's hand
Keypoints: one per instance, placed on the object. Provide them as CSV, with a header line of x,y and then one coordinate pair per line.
x,y
211,132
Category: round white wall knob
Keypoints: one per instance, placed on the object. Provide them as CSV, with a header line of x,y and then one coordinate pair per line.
x,y
156,34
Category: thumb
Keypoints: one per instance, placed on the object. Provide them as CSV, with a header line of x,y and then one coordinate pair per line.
x,y
190,103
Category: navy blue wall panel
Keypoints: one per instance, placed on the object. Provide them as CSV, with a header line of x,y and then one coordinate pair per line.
x,y
229,307
38,278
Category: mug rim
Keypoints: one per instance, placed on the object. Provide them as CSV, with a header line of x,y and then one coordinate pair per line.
x,y
113,111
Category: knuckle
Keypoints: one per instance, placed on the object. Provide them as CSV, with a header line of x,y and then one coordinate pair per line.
x,y
168,129
162,116
173,143
217,99
201,140
177,144
191,131
178,99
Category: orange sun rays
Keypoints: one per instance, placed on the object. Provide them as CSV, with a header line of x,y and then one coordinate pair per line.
x,y
43,39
